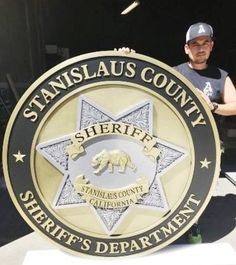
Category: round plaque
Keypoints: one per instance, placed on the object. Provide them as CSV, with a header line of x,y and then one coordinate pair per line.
x,y
111,154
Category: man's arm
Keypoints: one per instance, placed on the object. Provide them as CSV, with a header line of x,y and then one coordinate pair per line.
x,y
228,107
229,99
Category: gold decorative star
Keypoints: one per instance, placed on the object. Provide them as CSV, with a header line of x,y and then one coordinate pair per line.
x,y
205,163
19,156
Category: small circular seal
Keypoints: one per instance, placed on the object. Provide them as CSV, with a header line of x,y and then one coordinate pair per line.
x,y
107,154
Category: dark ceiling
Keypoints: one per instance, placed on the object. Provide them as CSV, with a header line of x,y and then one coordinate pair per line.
x,y
156,27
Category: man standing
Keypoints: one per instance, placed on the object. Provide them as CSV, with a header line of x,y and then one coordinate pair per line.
x,y
213,83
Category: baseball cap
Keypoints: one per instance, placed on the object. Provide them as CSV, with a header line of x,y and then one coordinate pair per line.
x,y
197,30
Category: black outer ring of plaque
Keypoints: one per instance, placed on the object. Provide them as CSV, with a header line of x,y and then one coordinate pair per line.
x,y
20,133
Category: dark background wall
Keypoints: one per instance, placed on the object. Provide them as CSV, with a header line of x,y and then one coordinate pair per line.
x,y
21,40
37,34
156,28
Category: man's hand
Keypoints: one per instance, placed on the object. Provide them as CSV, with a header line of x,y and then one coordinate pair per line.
x,y
125,50
207,99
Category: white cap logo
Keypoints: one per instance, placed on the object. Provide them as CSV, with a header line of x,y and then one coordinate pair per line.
x,y
201,29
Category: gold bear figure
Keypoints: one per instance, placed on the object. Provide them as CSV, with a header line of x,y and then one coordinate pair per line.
x,y
110,159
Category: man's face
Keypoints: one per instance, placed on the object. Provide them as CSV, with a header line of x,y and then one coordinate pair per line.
x,y
199,49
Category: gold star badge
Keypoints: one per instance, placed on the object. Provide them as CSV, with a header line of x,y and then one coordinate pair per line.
x,y
205,163
19,156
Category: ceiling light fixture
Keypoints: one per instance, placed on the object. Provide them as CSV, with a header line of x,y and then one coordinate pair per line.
x,y
130,7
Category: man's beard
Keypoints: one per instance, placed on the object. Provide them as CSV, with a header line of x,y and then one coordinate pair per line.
x,y
201,59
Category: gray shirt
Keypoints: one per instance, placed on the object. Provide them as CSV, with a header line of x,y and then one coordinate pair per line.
x,y
210,80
